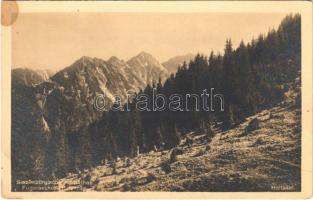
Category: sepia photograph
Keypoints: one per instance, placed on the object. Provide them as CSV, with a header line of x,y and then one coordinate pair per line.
x,y
156,100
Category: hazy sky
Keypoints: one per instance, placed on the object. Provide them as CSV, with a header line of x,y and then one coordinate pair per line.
x,y
55,40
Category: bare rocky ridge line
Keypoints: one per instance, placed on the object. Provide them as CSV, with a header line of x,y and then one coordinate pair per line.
x,y
88,77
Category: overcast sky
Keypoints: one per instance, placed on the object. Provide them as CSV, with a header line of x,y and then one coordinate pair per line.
x,y
55,41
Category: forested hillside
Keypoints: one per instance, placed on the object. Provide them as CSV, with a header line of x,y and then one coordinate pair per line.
x,y
67,135
251,77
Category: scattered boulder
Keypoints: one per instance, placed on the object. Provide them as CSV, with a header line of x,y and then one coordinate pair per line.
x,y
127,162
86,181
161,146
270,115
127,187
95,182
179,151
199,153
253,125
258,142
173,155
209,140
87,177
202,139
178,188
166,167
150,177
189,141
174,152
113,166
284,104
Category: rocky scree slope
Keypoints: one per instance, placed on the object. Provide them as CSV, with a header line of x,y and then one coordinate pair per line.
x,y
261,154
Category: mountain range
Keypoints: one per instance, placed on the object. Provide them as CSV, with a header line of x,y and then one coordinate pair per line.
x,y
56,131
138,71
49,109
87,77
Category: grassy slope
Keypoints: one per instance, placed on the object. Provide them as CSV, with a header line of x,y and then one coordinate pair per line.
x,y
266,159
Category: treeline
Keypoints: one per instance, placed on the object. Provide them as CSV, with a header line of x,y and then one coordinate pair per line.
x,y
251,77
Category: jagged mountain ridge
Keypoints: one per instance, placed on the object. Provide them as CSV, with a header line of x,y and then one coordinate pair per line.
x,y
114,76
59,110
87,77
93,76
132,78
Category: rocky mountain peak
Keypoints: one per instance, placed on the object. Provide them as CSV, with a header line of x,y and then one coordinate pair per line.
x,y
144,54
146,60
115,61
83,61
147,67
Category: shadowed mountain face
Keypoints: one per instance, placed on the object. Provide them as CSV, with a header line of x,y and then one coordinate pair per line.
x,y
92,76
53,115
173,63
134,80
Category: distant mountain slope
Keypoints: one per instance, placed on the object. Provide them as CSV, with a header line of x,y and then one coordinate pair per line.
x,y
45,73
147,68
172,64
25,76
132,78
92,76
